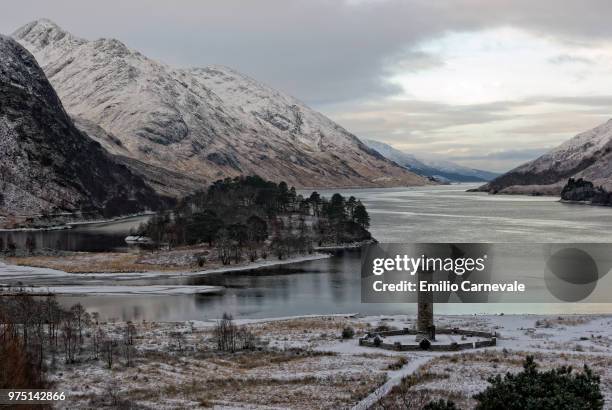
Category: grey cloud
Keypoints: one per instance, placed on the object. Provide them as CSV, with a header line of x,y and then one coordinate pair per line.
x,y
321,51
569,59
592,101
412,61
483,136
511,154
421,119
335,55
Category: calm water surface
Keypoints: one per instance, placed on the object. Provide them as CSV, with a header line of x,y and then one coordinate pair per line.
x,y
421,214
98,237
449,214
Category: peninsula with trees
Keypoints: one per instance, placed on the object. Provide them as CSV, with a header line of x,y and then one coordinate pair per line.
x,y
237,221
252,216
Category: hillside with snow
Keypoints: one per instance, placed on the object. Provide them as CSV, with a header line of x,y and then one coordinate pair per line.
x,y
440,169
201,124
46,164
588,155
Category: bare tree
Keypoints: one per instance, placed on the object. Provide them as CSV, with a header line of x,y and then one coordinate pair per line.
x,y
70,339
30,244
224,246
81,319
179,340
225,334
97,338
247,339
251,248
108,350
54,315
130,333
128,353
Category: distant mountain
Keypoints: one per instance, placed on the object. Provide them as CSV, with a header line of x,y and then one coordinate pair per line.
x,y
436,168
181,128
46,163
588,155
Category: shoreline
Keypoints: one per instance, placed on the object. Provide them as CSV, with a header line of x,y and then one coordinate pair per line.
x,y
12,270
543,195
120,290
393,317
261,264
166,263
345,247
585,203
71,225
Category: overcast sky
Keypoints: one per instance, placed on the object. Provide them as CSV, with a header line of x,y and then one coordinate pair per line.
x,y
486,83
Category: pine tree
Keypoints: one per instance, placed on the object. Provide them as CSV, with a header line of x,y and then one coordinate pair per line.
x,y
361,216
550,390
315,200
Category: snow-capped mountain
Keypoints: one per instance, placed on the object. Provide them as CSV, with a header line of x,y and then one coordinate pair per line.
x,y
588,155
431,167
46,163
201,123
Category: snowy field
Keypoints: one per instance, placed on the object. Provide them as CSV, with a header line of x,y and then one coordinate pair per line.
x,y
303,363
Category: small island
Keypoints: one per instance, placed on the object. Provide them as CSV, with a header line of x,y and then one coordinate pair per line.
x,y
583,191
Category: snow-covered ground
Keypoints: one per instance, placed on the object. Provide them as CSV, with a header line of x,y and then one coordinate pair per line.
x,y
554,340
9,272
303,362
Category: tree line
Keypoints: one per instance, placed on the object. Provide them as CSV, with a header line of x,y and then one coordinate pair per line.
x,y
584,191
249,216
36,332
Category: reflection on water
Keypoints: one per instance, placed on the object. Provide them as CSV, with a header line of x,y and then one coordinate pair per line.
x,y
402,215
315,287
99,237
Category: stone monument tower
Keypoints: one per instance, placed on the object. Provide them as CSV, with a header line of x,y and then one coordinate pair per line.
x,y
425,323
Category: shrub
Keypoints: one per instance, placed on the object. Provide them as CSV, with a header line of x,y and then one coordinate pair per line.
x,y
201,261
440,405
348,332
382,327
398,364
226,334
551,390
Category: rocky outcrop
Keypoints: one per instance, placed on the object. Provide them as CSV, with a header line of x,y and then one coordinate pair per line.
x,y
46,164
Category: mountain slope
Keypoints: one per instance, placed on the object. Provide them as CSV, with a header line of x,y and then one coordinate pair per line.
x,y
206,123
46,164
436,168
588,155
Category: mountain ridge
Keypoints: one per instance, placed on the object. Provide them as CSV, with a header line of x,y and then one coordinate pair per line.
x,y
439,169
587,155
206,123
46,164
